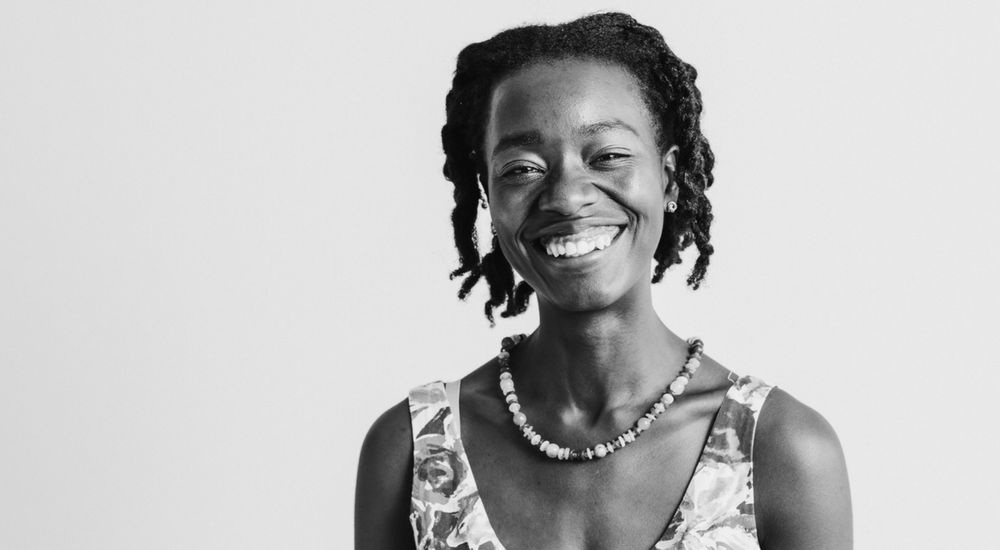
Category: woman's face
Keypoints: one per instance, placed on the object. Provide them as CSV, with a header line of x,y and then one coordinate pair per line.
x,y
577,186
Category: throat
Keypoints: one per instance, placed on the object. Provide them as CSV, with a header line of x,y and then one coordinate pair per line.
x,y
593,378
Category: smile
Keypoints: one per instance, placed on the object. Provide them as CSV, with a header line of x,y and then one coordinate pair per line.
x,y
579,244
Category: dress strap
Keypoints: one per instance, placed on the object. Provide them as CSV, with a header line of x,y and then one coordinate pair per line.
x,y
732,436
719,501
750,394
428,408
445,510
452,391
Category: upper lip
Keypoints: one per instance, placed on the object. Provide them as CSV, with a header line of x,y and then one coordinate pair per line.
x,y
570,227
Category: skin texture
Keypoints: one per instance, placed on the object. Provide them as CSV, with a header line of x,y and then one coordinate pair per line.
x,y
570,145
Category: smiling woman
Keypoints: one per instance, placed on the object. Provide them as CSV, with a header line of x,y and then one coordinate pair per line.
x,y
590,173
584,139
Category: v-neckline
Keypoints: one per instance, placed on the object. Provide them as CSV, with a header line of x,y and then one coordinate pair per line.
x,y
675,519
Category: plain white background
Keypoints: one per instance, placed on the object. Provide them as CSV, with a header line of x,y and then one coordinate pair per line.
x,y
224,248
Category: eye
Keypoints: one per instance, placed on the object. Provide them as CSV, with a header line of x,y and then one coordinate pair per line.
x,y
519,170
606,158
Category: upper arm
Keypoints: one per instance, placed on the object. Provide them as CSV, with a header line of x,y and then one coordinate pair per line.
x,y
385,478
801,494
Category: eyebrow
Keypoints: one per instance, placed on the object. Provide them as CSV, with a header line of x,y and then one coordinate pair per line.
x,y
533,137
604,126
514,141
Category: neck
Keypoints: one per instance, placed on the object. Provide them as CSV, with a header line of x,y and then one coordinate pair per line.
x,y
596,361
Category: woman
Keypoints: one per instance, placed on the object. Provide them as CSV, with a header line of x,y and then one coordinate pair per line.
x,y
584,139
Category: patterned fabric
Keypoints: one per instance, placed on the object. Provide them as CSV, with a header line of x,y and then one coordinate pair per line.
x,y
716,512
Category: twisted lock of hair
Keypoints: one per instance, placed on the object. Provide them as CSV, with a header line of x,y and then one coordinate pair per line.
x,y
668,88
693,219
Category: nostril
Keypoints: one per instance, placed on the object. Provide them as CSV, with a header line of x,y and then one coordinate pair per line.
x,y
568,195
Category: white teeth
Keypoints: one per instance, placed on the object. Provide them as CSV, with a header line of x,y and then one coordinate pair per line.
x,y
585,242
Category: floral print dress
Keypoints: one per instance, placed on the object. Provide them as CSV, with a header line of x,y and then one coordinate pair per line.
x,y
716,512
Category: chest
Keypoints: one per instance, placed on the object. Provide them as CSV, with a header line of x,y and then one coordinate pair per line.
x,y
624,501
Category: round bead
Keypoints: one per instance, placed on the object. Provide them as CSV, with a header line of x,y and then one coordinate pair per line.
x,y
507,343
507,385
504,376
643,423
667,399
520,419
514,407
552,450
693,364
676,386
601,451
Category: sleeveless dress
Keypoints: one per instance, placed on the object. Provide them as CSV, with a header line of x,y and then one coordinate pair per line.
x,y
716,512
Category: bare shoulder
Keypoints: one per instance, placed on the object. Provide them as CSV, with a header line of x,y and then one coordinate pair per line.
x,y
389,441
382,494
483,379
802,496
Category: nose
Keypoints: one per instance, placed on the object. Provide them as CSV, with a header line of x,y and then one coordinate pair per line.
x,y
569,190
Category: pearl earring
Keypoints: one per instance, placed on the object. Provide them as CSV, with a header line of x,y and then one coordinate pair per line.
x,y
671,206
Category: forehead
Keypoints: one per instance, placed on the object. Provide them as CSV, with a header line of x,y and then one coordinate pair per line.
x,y
558,96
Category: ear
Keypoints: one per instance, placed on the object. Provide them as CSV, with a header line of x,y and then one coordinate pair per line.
x,y
668,164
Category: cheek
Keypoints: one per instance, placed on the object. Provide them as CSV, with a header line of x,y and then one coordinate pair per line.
x,y
656,220
655,225
506,225
648,207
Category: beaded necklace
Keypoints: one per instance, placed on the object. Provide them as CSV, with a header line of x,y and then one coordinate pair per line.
x,y
601,450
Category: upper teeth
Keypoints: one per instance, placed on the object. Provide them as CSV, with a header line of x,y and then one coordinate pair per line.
x,y
578,244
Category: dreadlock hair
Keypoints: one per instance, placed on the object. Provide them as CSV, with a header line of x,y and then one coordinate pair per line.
x,y
667,85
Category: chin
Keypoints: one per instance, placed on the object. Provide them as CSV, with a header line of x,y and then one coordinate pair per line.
x,y
580,300
593,293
